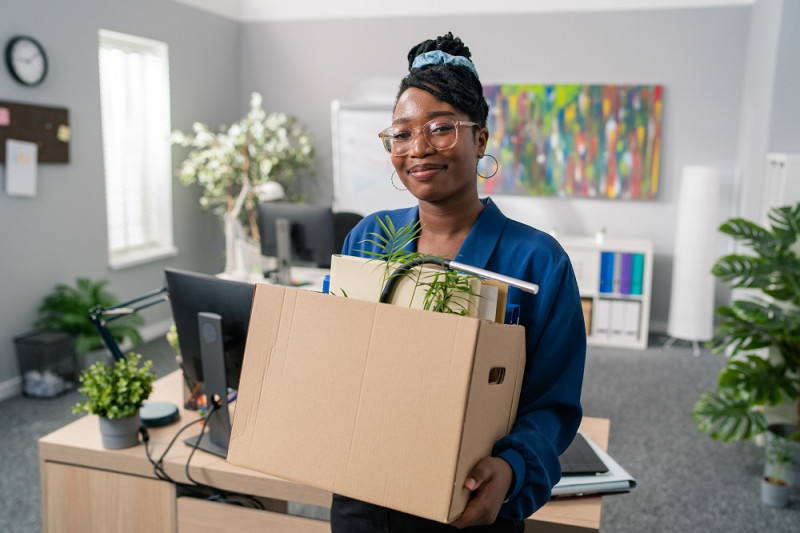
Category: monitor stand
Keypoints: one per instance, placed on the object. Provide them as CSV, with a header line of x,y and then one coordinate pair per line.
x,y
283,245
215,439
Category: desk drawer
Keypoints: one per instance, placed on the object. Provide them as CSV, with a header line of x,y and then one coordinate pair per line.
x,y
202,516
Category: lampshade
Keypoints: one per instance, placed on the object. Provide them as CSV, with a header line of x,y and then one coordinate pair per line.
x,y
269,191
691,310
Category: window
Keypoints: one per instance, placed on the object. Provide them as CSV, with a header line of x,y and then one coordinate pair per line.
x,y
135,109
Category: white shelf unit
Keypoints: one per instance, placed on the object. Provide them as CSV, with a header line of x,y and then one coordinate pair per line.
x,y
616,316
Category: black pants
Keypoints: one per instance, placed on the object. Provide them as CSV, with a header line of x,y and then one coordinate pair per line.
x,y
354,516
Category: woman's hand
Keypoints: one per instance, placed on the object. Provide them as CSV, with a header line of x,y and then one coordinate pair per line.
x,y
489,482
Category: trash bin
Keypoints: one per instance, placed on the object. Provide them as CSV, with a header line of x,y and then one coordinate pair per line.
x,y
47,362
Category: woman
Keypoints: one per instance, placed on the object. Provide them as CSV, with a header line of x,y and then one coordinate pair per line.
x,y
437,137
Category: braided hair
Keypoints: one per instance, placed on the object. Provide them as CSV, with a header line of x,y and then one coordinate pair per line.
x,y
458,86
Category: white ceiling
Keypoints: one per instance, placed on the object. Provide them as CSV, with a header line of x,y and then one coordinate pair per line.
x,y
274,10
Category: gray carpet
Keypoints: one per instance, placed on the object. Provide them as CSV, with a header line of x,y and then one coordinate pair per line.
x,y
687,482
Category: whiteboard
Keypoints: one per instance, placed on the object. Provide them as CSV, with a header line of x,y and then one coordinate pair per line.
x,y
361,166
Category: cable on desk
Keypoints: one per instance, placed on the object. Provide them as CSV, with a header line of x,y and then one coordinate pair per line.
x,y
158,466
218,495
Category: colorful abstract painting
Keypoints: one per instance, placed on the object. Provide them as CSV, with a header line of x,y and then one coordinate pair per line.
x,y
587,141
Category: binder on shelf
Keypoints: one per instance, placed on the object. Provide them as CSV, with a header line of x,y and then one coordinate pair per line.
x,y
632,317
601,318
606,272
626,270
617,273
617,322
637,273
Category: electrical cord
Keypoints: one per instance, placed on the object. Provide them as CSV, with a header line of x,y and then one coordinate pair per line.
x,y
209,493
158,466
217,495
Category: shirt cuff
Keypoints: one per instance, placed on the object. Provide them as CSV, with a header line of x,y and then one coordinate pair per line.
x,y
517,463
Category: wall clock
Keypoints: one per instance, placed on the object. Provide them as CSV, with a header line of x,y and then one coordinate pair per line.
x,y
26,60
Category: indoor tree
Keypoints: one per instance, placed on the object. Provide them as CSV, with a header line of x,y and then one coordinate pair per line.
x,y
257,158
760,333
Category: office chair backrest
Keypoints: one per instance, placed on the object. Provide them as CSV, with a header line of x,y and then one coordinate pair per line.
x,y
343,222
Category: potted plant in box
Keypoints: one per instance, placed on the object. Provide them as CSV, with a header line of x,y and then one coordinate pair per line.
x,y
759,334
115,393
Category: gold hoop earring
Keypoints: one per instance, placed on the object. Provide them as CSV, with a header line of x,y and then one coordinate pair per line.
x,y
391,178
496,167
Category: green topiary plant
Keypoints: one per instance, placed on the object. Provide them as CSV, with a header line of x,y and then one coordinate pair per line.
x,y
770,321
67,309
118,390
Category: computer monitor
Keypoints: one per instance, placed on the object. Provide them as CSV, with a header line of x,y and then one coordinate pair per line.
x,y
211,317
311,231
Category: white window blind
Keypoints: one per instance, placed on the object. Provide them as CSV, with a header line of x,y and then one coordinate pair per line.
x,y
135,108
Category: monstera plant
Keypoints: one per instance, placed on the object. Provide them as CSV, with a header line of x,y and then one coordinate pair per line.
x,y
758,334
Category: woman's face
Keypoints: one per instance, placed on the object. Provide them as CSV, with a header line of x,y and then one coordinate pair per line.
x,y
436,175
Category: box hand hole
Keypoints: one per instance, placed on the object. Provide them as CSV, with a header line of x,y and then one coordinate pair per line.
x,y
497,375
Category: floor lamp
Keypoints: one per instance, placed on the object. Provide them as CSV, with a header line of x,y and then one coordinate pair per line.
x,y
691,308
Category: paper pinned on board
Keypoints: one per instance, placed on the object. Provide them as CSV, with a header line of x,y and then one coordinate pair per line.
x,y
21,166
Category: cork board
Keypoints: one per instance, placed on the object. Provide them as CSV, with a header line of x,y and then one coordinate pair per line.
x,y
48,127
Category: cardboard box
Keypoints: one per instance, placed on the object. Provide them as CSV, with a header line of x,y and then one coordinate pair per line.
x,y
378,402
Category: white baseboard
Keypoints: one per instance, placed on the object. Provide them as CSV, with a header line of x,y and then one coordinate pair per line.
x,y
11,388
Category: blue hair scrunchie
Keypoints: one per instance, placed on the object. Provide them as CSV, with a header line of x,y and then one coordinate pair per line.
x,y
437,57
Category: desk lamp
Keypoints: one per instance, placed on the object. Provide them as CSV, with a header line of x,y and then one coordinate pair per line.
x,y
152,414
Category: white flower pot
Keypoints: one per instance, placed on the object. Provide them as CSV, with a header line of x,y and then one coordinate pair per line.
x,y
117,433
791,471
774,495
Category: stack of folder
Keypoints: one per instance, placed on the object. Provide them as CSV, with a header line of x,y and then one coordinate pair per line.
x,y
586,469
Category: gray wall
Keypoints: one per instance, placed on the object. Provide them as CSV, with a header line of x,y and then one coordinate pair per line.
x,y
699,55
61,233
784,134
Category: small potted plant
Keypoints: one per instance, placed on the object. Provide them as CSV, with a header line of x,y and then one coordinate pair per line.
x,y
115,393
67,309
774,486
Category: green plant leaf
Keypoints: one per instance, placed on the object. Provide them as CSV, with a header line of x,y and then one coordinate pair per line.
x,y
118,390
758,380
785,222
67,309
746,231
727,418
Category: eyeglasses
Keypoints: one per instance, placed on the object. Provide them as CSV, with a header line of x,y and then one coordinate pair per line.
x,y
441,133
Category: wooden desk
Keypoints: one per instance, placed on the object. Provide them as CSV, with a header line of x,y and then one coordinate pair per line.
x,y
88,488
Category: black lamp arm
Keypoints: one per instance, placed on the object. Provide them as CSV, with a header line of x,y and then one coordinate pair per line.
x,y
449,264
100,316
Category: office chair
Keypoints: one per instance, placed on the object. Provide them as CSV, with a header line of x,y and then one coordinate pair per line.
x,y
343,222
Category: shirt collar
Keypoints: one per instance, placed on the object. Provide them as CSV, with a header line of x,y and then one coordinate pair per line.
x,y
483,237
